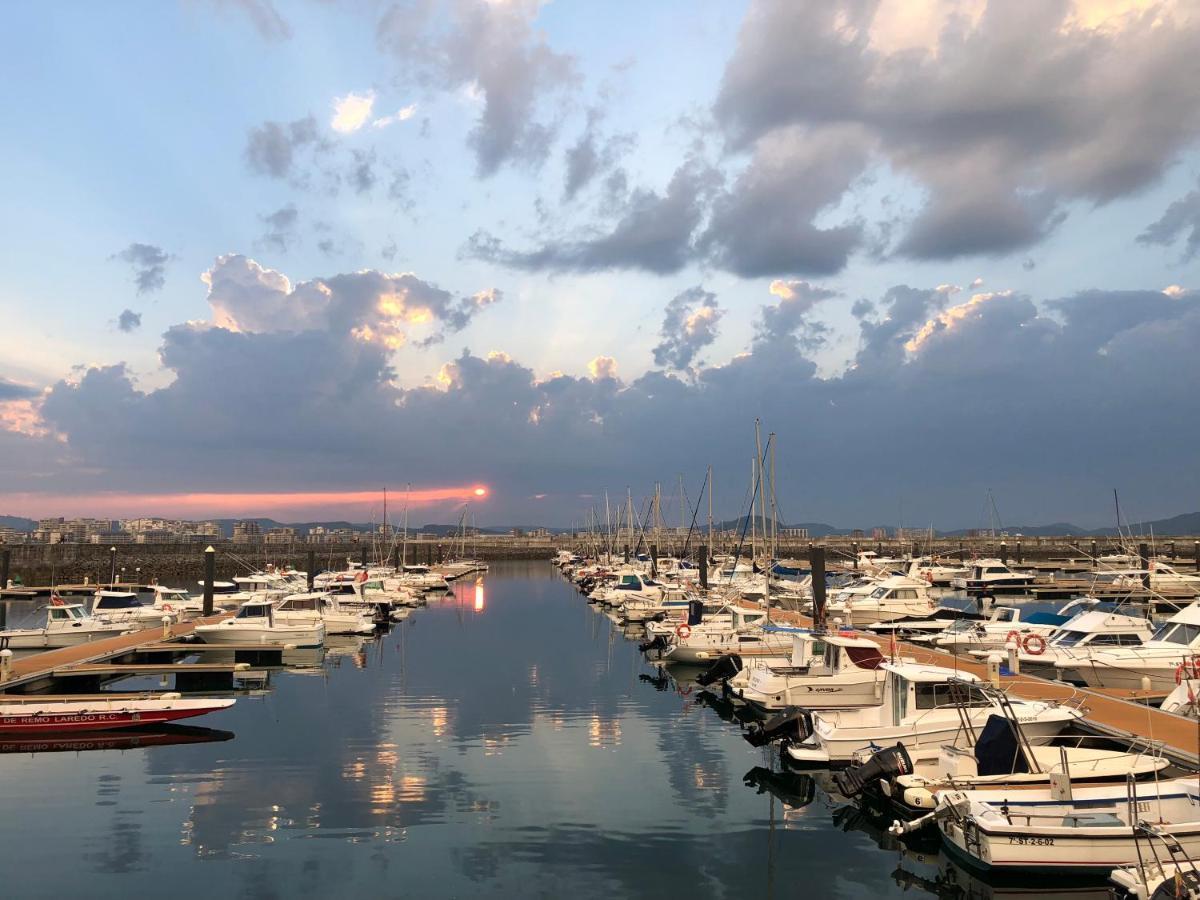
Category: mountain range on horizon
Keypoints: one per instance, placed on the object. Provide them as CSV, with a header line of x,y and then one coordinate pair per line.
x,y
1184,524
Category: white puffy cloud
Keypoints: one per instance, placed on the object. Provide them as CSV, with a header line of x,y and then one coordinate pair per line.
x,y
351,112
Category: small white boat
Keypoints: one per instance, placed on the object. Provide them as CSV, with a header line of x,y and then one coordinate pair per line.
x,y
936,574
255,624
310,608
893,597
1094,832
848,673
1077,639
923,707
125,607
1005,624
991,576
1161,659
67,624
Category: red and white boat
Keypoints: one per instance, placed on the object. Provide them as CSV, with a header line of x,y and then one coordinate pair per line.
x,y
47,716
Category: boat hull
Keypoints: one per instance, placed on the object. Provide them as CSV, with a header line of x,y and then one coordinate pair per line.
x,y
49,721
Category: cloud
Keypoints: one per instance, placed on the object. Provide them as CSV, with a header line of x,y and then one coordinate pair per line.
x,y
1175,291
592,154
1000,113
281,228
368,306
653,233
271,147
149,264
490,51
14,390
286,355
763,225
362,170
129,320
602,367
1180,220
401,115
689,325
263,15
352,112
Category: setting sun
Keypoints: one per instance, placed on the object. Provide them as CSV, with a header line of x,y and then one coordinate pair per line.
x,y
480,492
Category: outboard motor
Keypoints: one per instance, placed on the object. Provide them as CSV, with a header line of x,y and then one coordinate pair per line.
x,y
722,670
791,725
695,613
658,642
887,763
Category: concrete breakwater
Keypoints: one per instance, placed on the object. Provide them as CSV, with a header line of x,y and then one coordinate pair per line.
x,y
44,564
183,564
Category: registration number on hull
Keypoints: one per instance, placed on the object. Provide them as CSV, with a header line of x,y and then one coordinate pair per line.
x,y
1027,841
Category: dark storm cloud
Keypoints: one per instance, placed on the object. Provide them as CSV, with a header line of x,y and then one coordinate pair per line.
x,y
271,148
653,233
149,264
129,320
495,50
934,365
1003,122
281,228
1180,220
689,325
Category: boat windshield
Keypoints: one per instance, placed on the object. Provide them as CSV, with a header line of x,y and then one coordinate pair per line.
x,y
1067,638
254,611
1005,615
128,602
934,694
1177,633
879,593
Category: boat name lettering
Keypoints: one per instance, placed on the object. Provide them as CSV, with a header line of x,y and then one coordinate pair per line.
x,y
1031,841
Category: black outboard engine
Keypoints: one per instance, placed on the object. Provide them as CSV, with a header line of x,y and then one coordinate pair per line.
x,y
695,613
887,763
722,670
796,725
658,642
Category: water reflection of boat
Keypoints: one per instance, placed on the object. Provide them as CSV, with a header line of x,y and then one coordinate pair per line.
x,y
127,739
943,877
796,790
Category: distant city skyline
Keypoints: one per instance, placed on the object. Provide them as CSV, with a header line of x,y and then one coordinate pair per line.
x,y
286,253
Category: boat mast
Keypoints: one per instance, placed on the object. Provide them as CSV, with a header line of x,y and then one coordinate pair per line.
x,y
774,507
711,549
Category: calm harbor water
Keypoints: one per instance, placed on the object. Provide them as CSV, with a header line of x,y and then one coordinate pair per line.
x,y
508,740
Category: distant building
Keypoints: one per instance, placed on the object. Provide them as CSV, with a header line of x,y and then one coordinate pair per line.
x,y
879,534
858,533
280,536
797,533
247,533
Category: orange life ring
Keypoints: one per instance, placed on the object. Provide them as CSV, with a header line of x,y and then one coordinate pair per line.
x,y
1013,635
167,607
1030,641
929,576
683,631
1187,669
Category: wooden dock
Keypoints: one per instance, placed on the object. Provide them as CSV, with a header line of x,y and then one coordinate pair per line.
x,y
1112,711
33,591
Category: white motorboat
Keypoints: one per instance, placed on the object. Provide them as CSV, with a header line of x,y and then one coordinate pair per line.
x,y
742,633
1162,576
124,607
419,578
1094,832
991,576
178,603
1160,659
871,563
255,623
1001,761
67,624
1005,624
847,674
630,585
316,607
923,707
936,574
1077,639
894,597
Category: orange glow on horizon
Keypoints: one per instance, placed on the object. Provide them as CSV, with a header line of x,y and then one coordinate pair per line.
x,y
223,504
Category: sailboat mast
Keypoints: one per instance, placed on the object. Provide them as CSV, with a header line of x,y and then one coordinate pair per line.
x,y
774,508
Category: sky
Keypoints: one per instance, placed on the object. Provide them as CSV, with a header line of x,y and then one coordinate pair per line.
x,y
270,257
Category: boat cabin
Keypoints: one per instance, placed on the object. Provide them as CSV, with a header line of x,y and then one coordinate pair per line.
x,y
914,690
1098,628
115,602
846,651
71,615
259,612
1182,629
